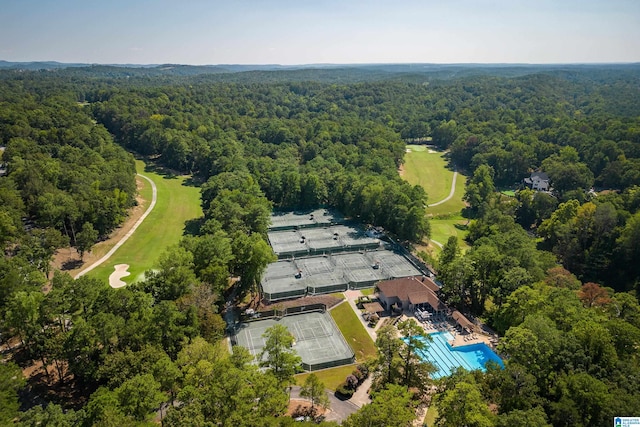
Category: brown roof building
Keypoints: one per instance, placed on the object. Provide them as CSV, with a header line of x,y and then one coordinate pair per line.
x,y
463,321
409,292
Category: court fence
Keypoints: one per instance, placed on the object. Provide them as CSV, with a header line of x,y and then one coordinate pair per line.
x,y
277,313
337,362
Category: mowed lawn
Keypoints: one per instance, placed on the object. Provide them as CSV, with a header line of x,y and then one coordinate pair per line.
x,y
331,378
442,229
428,170
353,332
455,204
163,227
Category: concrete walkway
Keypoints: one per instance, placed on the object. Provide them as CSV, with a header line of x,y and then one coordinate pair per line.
x,y
361,396
129,233
351,296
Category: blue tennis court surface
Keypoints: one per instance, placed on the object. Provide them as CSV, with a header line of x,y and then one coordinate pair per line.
x,y
446,358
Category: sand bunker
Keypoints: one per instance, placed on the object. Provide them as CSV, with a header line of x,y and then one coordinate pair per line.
x,y
119,273
430,151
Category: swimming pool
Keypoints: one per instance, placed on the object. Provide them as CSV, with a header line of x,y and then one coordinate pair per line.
x,y
446,358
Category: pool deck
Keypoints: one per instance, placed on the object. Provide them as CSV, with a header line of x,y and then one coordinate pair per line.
x,y
449,326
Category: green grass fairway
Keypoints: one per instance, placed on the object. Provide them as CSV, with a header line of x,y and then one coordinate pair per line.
x,y
353,331
163,227
429,171
331,378
441,229
455,204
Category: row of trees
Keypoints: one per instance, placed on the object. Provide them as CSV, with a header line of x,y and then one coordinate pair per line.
x,y
567,345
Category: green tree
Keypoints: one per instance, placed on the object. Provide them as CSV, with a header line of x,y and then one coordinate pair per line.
x,y
415,370
450,251
104,410
313,389
480,188
11,382
86,238
463,405
51,415
391,406
387,363
534,417
139,396
278,354
252,255
173,275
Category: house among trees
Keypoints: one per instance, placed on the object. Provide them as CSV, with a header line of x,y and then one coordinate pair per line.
x,y
538,181
410,292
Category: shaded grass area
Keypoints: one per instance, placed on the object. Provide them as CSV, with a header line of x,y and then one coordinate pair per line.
x,y
177,202
331,378
353,332
442,229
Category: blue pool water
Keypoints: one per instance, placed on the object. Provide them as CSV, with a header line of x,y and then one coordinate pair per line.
x,y
447,358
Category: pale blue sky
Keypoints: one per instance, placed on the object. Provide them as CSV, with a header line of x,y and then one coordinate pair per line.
x,y
320,31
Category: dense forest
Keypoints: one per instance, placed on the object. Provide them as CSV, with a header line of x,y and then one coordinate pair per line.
x,y
556,274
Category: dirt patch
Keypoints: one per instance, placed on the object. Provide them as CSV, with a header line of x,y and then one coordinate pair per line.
x,y
68,259
401,170
302,408
120,271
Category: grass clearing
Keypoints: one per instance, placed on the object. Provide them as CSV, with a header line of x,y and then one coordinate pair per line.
x,y
368,291
177,203
331,377
353,331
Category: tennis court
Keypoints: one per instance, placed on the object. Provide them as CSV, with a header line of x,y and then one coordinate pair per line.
x,y
303,219
394,265
317,339
315,265
333,273
319,240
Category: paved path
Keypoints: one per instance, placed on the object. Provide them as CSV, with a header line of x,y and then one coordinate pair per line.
x,y
436,243
340,409
453,190
129,233
361,396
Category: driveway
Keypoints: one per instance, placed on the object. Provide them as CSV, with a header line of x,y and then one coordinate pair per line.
x,y
339,409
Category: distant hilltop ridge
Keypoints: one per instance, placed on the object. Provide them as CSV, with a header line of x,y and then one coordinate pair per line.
x,y
328,73
406,67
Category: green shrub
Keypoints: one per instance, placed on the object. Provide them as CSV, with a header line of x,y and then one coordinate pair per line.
x,y
344,392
